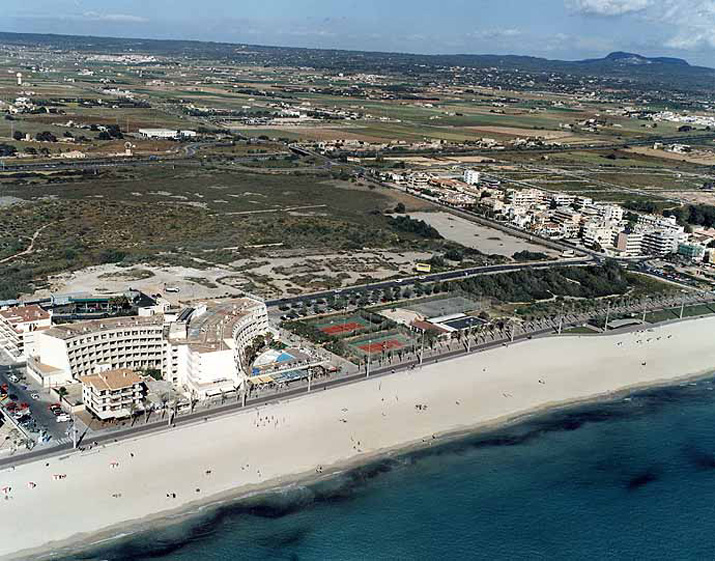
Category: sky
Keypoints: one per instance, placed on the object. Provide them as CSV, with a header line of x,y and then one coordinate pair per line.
x,y
562,29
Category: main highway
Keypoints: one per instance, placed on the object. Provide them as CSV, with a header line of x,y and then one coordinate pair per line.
x,y
436,277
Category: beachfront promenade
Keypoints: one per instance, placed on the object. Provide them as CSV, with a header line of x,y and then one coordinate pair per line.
x,y
155,474
480,341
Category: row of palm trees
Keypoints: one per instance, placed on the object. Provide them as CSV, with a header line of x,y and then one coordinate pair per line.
x,y
508,329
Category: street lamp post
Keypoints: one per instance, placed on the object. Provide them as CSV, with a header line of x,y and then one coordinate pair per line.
x,y
422,348
369,357
74,433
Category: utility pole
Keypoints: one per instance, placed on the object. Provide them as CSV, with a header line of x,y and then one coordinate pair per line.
x,y
608,313
682,309
310,377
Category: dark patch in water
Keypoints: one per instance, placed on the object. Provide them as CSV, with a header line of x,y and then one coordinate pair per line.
x,y
642,480
703,461
346,486
284,539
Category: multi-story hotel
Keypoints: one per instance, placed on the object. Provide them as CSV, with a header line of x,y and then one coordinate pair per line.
x,y
19,327
205,351
202,350
65,352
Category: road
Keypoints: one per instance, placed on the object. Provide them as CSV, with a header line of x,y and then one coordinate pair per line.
x,y
450,275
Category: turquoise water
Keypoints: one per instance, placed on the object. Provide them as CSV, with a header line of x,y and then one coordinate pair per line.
x,y
628,480
285,357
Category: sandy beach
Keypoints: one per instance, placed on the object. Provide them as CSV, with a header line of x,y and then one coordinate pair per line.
x,y
82,494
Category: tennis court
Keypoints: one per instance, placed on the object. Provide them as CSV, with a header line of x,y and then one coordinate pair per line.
x,y
343,325
381,343
444,306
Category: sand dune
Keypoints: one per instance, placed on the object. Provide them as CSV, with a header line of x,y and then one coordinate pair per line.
x,y
153,475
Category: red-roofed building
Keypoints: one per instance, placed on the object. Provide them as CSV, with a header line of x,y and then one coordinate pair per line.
x,y
427,326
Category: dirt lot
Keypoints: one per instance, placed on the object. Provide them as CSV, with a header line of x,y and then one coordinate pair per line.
x,y
278,275
487,240
703,157
514,131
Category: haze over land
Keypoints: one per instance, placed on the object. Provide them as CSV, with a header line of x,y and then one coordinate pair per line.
x,y
564,29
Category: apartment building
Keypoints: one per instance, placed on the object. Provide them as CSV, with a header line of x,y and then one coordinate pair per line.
x,y
525,197
655,222
565,214
562,199
471,177
598,233
19,327
113,394
662,242
581,202
419,180
630,244
610,213
570,230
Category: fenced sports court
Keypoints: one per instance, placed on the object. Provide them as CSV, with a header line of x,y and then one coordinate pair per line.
x,y
444,306
342,326
349,325
379,343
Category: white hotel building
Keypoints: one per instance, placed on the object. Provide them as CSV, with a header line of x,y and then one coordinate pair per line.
x,y
202,350
65,352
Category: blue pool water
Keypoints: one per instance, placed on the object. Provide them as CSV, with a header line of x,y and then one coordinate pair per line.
x,y
633,479
285,357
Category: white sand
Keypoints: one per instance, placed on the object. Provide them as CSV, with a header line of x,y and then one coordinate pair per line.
x,y
471,234
258,448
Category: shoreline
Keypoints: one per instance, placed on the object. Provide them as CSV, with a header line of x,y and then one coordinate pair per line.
x,y
194,509
454,431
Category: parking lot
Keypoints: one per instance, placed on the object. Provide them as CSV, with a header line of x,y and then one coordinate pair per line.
x,y
25,395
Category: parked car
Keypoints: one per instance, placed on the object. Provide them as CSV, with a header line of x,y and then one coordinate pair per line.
x,y
35,396
64,418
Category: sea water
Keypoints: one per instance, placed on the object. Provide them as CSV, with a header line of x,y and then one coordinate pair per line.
x,y
629,479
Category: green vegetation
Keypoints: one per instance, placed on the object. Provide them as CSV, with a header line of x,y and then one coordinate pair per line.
x,y
530,285
412,226
695,215
529,256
